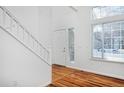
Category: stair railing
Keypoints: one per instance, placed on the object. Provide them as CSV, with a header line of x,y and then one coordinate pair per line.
x,y
9,24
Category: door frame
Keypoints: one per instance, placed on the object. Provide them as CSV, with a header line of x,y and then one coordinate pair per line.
x,y
67,55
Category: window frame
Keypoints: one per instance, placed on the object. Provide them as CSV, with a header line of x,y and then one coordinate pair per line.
x,y
109,19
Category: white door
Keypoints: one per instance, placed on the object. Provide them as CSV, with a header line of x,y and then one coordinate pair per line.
x,y
60,47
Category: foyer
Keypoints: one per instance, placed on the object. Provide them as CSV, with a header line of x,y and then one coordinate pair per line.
x,y
61,46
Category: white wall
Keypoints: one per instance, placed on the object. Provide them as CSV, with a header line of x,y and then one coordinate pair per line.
x,y
45,18
83,45
19,66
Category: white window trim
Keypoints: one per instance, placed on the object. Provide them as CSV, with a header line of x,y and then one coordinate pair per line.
x,y
104,20
108,19
107,60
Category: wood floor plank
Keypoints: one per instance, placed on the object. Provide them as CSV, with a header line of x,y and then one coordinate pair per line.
x,y
68,77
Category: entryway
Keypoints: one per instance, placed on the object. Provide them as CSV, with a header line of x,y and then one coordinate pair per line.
x,y
63,46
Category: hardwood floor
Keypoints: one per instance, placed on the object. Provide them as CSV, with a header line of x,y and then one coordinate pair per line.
x,y
67,77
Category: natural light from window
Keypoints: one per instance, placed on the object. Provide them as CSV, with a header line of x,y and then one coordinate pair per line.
x,y
108,37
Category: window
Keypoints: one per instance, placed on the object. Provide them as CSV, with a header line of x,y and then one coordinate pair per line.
x,y
71,44
106,11
108,37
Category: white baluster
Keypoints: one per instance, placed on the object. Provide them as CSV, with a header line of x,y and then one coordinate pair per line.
x,y
13,28
41,52
7,24
20,33
47,56
26,38
35,46
38,52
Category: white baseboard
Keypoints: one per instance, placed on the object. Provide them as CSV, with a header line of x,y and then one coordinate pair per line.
x,y
100,73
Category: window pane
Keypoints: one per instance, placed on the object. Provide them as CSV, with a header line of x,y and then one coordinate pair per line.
x,y
122,41
122,9
105,11
107,30
71,43
96,12
115,41
115,26
116,33
122,25
107,43
115,10
97,41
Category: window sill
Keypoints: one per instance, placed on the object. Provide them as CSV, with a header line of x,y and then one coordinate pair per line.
x,y
108,60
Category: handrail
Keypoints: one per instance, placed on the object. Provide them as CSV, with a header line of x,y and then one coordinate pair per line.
x,y
44,57
15,19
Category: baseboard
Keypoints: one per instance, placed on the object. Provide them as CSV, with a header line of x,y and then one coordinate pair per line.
x,y
99,73
105,74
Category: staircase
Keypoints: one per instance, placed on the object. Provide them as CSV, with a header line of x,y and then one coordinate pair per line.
x,y
12,26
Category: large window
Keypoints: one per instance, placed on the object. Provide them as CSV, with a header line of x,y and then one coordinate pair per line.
x,y
108,37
